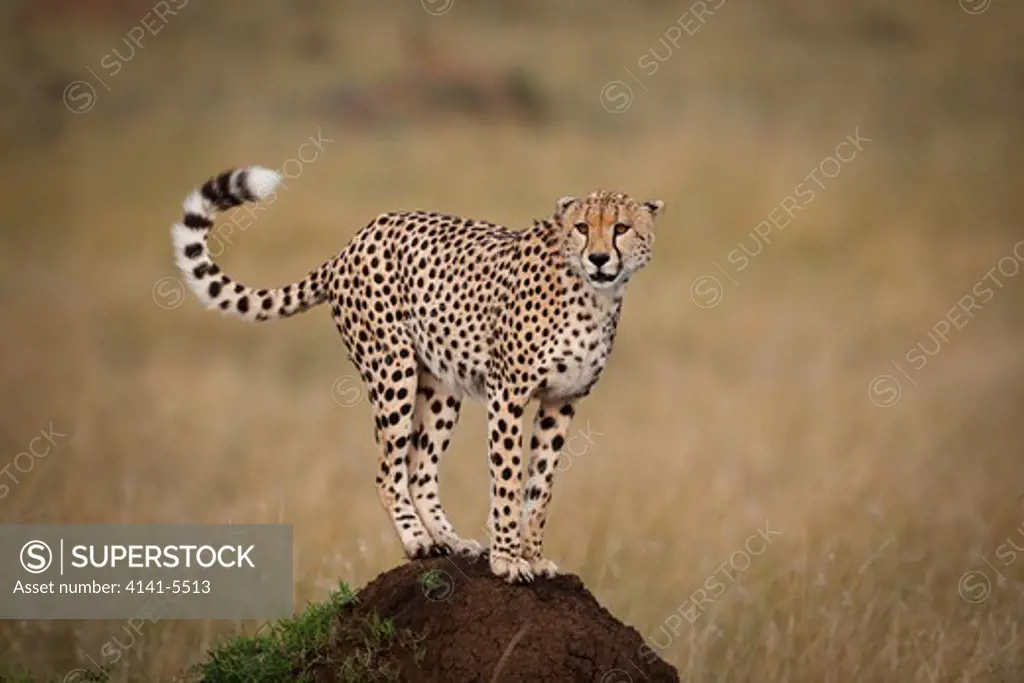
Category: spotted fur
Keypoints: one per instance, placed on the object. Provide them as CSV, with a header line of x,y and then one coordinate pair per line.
x,y
433,308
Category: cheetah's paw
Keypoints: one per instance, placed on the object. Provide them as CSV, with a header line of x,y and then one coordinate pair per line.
x,y
422,549
467,547
543,567
512,569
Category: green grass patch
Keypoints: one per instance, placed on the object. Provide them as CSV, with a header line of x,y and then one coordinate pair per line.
x,y
314,646
331,641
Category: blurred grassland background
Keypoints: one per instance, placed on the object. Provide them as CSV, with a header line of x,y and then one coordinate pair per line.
x,y
711,420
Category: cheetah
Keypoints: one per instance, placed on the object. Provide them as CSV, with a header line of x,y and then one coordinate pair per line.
x,y
433,308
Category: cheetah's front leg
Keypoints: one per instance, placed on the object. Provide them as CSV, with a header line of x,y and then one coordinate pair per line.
x,y
550,427
505,449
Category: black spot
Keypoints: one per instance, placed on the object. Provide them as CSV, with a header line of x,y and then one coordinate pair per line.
x,y
197,221
243,304
214,288
227,199
547,423
243,186
193,250
556,443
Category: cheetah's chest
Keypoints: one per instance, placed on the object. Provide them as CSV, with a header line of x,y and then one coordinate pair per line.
x,y
578,361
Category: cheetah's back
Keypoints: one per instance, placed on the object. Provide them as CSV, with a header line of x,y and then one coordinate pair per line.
x,y
432,281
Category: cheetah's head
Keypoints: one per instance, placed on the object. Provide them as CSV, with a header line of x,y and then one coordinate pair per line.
x,y
608,235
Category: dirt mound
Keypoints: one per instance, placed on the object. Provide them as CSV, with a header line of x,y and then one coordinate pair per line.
x,y
470,626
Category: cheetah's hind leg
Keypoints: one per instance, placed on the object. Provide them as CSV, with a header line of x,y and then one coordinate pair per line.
x,y
393,395
436,414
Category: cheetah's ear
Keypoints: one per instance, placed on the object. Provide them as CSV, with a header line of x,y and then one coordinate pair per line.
x,y
654,206
562,205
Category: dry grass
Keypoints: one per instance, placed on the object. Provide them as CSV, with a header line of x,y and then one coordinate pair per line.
x,y
709,423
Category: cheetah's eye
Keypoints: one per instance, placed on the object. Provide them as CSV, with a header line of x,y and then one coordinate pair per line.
x,y
622,228
582,226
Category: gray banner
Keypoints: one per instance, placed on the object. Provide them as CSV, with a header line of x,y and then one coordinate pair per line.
x,y
145,571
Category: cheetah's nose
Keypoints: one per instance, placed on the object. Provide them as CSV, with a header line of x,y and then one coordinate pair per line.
x,y
599,258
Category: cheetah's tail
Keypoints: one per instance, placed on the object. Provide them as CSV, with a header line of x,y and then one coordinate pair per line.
x,y
204,277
